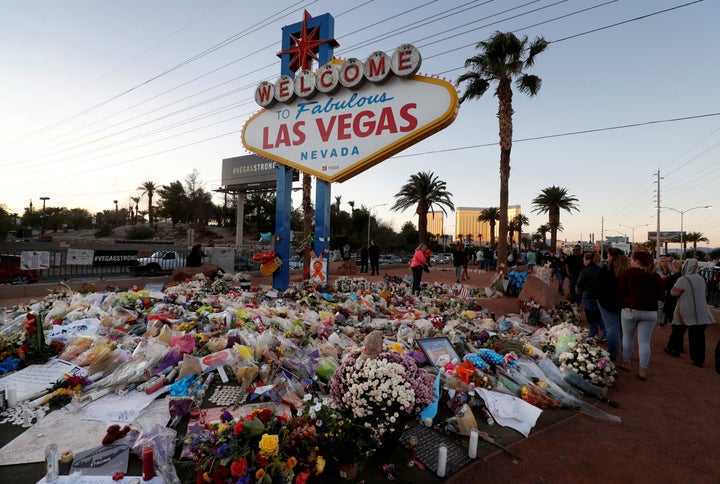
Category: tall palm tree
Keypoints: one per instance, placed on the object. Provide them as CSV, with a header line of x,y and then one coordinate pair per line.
x,y
504,59
137,208
550,201
426,192
516,225
149,188
308,215
490,216
542,231
694,237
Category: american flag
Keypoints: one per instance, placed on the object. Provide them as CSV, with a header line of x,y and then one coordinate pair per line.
x,y
313,255
306,383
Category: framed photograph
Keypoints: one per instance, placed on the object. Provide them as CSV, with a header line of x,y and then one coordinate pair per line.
x,y
438,350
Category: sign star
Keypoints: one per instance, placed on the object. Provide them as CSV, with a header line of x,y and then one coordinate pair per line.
x,y
306,46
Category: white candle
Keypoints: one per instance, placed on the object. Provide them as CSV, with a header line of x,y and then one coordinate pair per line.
x,y
472,447
442,460
11,395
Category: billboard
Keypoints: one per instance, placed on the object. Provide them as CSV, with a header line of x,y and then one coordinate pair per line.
x,y
666,237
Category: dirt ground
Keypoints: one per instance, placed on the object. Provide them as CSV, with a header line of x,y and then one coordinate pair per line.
x,y
669,432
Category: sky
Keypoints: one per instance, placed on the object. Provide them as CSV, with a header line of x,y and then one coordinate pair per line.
x,y
98,97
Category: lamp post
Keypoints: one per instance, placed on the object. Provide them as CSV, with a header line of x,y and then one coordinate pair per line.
x,y
633,231
682,234
117,214
42,228
370,219
445,237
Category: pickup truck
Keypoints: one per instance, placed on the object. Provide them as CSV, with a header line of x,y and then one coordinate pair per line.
x,y
160,261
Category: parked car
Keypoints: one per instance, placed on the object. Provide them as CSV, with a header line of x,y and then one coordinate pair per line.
x,y
11,272
388,259
160,261
442,258
295,262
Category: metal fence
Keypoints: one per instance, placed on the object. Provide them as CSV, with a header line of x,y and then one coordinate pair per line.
x,y
61,268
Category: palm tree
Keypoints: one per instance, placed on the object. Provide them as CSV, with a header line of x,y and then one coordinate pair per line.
x,y
693,237
516,225
542,230
504,58
137,208
149,188
551,200
425,191
490,215
308,215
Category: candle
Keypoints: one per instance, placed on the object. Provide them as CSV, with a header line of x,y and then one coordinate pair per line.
x,y
472,447
11,395
428,421
442,460
147,464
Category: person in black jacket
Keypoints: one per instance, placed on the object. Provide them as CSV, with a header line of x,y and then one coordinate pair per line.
x,y
374,255
586,284
676,342
194,258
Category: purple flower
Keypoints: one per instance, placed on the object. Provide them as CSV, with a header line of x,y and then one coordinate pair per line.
x,y
226,416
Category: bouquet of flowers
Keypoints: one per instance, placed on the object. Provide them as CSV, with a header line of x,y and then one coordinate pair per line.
x,y
343,438
576,351
381,392
260,448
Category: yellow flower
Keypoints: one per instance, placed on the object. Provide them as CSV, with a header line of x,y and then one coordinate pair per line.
x,y
223,428
320,466
269,444
397,347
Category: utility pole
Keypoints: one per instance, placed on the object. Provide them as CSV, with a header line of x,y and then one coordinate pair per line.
x,y
657,231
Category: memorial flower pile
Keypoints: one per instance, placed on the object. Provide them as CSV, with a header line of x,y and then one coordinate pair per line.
x,y
260,448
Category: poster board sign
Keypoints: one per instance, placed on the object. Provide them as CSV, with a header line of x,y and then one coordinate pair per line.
x,y
35,379
34,260
319,270
80,257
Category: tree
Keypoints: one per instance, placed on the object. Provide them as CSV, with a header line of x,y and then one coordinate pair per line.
x,y
550,201
137,209
516,225
490,216
694,237
173,202
504,59
7,222
426,192
148,188
542,231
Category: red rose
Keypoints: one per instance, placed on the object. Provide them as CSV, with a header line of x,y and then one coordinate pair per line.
x,y
30,326
239,428
220,475
239,467
302,477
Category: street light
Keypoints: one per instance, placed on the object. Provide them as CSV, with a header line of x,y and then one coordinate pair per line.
x,y
370,219
633,231
445,237
117,214
42,229
682,212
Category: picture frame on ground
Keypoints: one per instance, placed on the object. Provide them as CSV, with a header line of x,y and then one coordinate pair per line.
x,y
439,351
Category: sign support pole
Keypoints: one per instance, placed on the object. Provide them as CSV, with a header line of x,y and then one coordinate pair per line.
x,y
283,206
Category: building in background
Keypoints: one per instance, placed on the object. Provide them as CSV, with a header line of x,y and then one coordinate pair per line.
x,y
467,224
435,221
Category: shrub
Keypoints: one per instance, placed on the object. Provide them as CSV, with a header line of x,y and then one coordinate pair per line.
x,y
140,232
104,231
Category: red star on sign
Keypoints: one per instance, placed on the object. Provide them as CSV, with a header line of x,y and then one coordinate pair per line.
x,y
306,46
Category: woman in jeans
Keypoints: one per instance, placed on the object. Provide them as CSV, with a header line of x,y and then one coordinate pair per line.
x,y
640,289
609,301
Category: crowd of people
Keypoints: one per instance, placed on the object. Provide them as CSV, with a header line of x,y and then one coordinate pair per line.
x,y
629,296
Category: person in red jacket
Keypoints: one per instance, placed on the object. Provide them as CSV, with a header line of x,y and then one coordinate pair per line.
x,y
420,262
640,289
